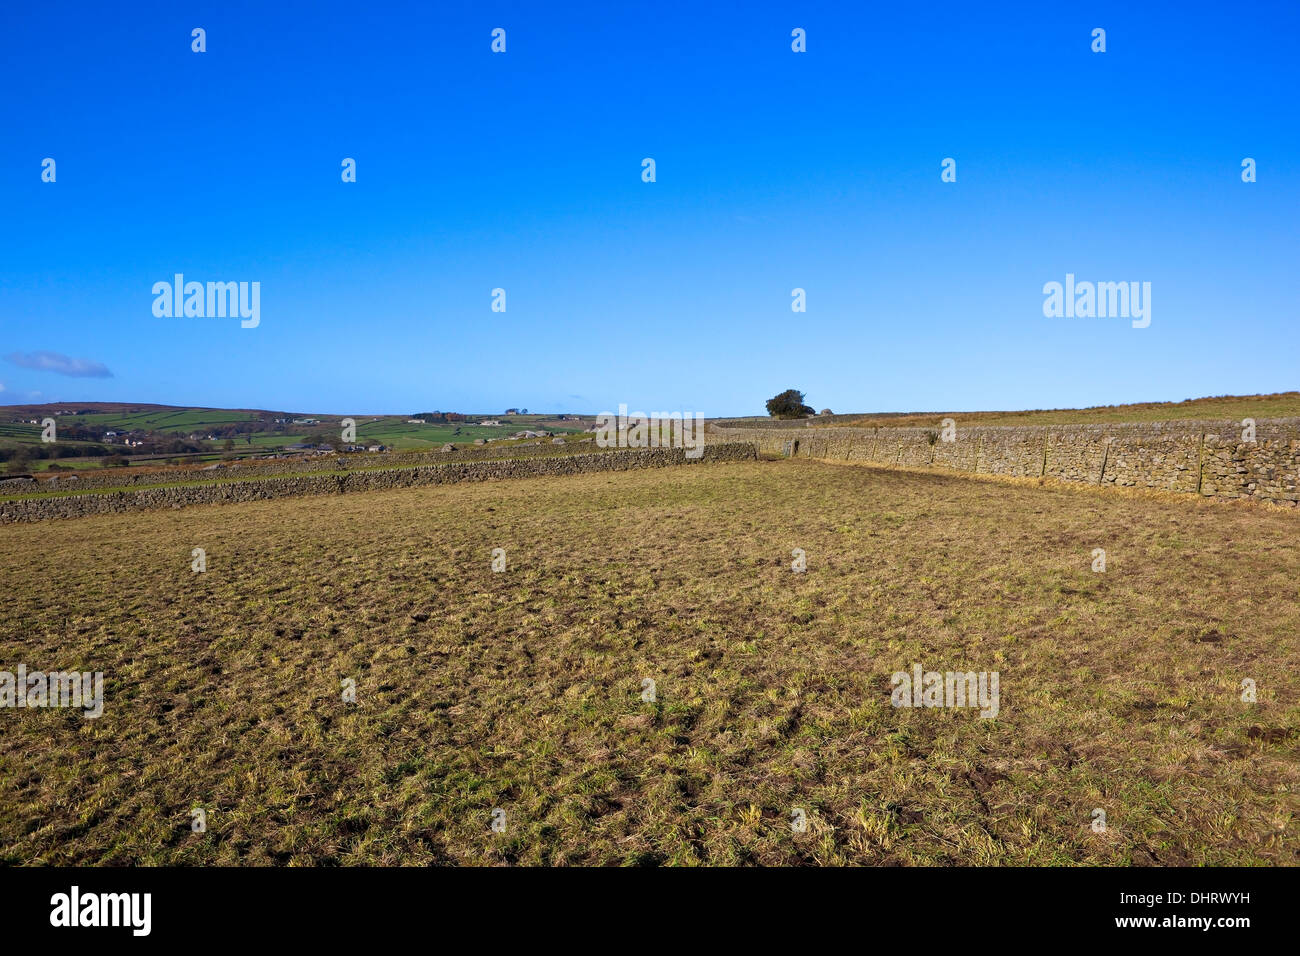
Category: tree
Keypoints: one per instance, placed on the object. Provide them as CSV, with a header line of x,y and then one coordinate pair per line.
x,y
789,404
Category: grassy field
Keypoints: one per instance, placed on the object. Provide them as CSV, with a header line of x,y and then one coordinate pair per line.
x,y
522,691
14,433
1231,407
396,433
17,433
77,464
172,421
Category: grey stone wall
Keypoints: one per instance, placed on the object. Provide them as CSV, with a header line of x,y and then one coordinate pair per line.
x,y
212,492
139,477
1195,457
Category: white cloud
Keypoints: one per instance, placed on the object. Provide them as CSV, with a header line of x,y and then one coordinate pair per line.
x,y
61,364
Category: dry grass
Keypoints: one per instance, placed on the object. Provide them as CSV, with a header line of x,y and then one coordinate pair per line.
x,y
521,690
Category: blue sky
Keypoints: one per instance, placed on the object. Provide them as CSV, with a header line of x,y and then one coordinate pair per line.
x,y
522,170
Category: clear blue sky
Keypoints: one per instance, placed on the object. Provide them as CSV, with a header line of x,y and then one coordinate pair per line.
x,y
775,170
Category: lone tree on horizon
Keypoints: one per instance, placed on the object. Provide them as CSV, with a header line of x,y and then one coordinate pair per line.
x,y
789,404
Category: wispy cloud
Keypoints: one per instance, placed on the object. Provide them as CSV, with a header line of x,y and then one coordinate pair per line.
x,y
60,364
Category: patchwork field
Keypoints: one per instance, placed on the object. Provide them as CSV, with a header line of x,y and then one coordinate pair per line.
x,y
522,691
156,425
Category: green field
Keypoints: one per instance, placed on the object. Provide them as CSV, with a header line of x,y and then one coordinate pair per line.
x,y
397,434
179,421
16,432
392,431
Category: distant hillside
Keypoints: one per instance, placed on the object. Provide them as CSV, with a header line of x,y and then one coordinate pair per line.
x,y
90,432
123,409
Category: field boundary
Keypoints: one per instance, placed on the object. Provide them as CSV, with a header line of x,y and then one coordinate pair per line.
x,y
151,475
1203,458
258,489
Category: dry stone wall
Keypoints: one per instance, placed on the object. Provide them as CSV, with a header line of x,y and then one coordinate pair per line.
x,y
302,464
212,492
1206,458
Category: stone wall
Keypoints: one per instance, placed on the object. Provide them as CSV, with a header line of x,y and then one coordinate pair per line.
x,y
137,477
212,492
1196,457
